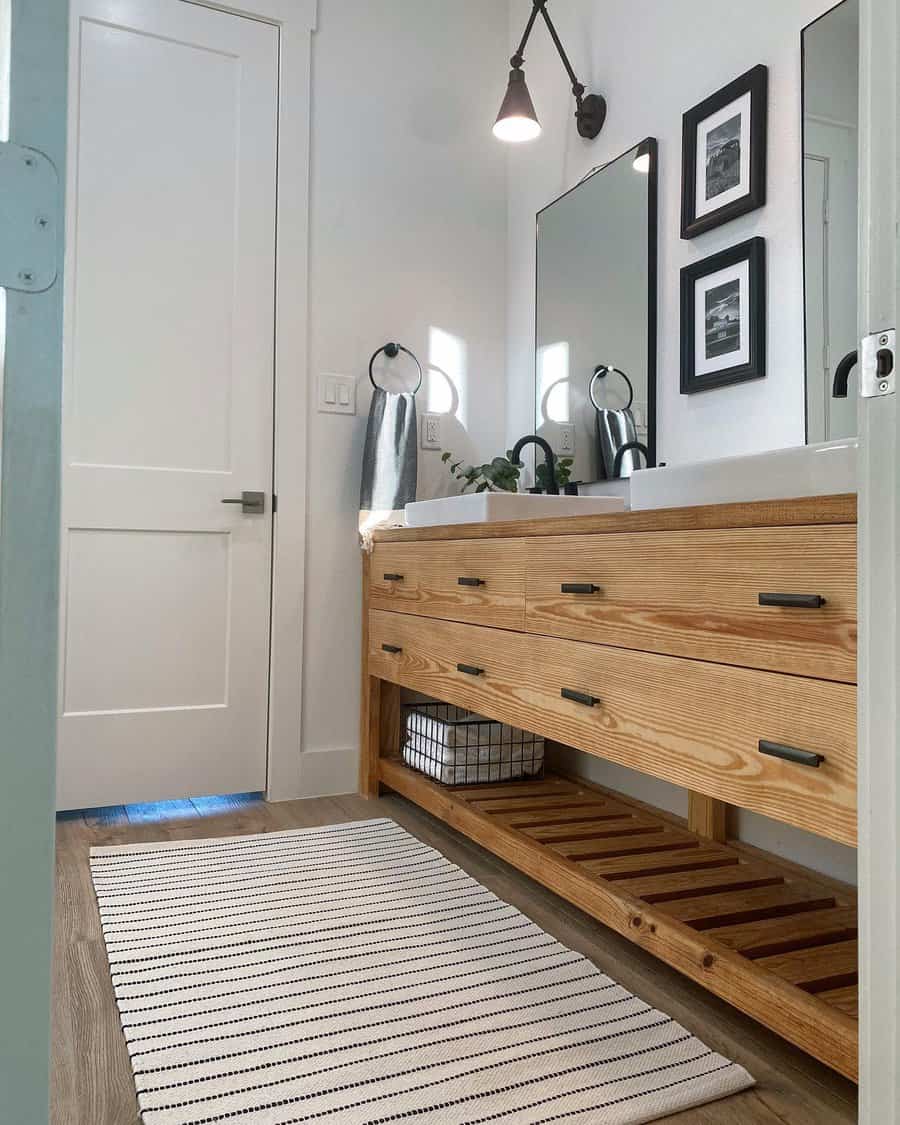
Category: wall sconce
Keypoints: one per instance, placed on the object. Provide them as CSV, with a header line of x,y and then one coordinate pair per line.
x,y
643,157
517,120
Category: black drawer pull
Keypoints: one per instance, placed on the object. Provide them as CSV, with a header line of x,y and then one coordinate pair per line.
x,y
393,578
579,697
579,588
793,601
791,754
470,582
470,669
391,648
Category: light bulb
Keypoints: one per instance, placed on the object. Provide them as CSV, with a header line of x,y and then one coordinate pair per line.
x,y
517,129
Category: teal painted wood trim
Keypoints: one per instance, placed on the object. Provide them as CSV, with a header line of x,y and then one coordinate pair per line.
x,y
29,576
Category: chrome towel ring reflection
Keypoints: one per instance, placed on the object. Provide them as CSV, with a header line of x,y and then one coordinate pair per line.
x,y
600,372
392,351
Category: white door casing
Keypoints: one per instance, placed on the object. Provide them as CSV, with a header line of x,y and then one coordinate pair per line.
x,y
815,267
168,402
879,579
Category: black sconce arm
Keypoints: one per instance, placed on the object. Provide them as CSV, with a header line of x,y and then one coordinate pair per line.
x,y
519,57
590,111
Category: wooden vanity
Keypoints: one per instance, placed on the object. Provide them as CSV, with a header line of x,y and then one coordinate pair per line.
x,y
711,647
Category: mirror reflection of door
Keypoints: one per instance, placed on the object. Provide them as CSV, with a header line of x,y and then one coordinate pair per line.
x,y
830,207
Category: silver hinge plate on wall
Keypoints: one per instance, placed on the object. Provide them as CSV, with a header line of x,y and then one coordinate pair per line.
x,y
877,376
29,206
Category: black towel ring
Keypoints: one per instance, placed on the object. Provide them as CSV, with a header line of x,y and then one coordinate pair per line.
x,y
392,351
601,372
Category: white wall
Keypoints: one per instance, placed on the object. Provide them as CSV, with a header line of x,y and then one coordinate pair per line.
x,y
408,242
832,66
653,61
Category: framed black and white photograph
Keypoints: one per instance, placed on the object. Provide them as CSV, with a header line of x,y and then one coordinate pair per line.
x,y
723,318
724,154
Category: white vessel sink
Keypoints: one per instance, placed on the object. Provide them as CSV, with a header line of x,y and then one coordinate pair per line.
x,y
783,474
620,488
493,507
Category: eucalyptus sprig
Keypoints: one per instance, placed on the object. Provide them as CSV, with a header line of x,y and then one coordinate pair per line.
x,y
498,475
501,475
563,472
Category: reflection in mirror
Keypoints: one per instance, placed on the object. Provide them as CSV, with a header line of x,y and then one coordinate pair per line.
x,y
595,362
5,48
830,135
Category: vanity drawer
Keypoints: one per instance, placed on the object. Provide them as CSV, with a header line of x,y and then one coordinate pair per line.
x,y
697,594
481,581
694,724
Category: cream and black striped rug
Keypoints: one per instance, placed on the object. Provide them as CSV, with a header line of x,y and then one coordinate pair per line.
x,y
350,974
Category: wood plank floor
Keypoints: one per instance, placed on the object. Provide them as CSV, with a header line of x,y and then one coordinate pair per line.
x,y
92,1082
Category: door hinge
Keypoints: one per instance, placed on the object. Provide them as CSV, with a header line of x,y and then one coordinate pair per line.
x,y
876,367
29,210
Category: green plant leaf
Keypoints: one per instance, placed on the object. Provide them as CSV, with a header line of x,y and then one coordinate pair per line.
x,y
446,455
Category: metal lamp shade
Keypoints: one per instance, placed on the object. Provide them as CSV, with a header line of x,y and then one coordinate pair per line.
x,y
517,120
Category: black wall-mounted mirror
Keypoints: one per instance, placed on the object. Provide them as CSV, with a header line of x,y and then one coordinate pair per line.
x,y
595,333
830,219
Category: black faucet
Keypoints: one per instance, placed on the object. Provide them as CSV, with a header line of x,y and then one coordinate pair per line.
x,y
622,450
533,439
842,374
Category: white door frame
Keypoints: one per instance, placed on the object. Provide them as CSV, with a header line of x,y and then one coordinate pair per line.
x,y
296,21
879,576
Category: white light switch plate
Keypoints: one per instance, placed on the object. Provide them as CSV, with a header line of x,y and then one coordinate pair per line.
x,y
431,431
337,394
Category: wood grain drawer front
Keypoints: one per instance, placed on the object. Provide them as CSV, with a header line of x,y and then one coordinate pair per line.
x,y
466,580
694,724
696,594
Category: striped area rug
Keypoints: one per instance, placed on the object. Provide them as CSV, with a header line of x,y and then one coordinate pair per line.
x,y
350,974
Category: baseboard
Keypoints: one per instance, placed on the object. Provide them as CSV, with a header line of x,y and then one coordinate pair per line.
x,y
329,773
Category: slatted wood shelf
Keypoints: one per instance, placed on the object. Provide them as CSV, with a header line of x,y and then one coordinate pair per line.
x,y
777,943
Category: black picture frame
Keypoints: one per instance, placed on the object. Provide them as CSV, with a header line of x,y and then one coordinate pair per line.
x,y
756,83
753,251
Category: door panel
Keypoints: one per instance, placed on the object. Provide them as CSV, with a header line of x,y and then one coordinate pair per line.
x,y
168,402
157,192
126,584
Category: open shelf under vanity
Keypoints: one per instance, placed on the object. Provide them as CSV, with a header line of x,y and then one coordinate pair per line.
x,y
776,941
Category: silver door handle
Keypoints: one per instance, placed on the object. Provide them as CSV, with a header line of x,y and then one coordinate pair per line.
x,y
252,503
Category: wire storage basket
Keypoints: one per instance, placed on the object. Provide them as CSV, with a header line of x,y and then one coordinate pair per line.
x,y
456,747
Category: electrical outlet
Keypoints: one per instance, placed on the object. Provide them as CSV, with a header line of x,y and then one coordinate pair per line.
x,y
337,394
566,440
431,431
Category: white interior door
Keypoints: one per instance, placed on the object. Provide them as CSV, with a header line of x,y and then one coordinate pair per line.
x,y
830,183
168,391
